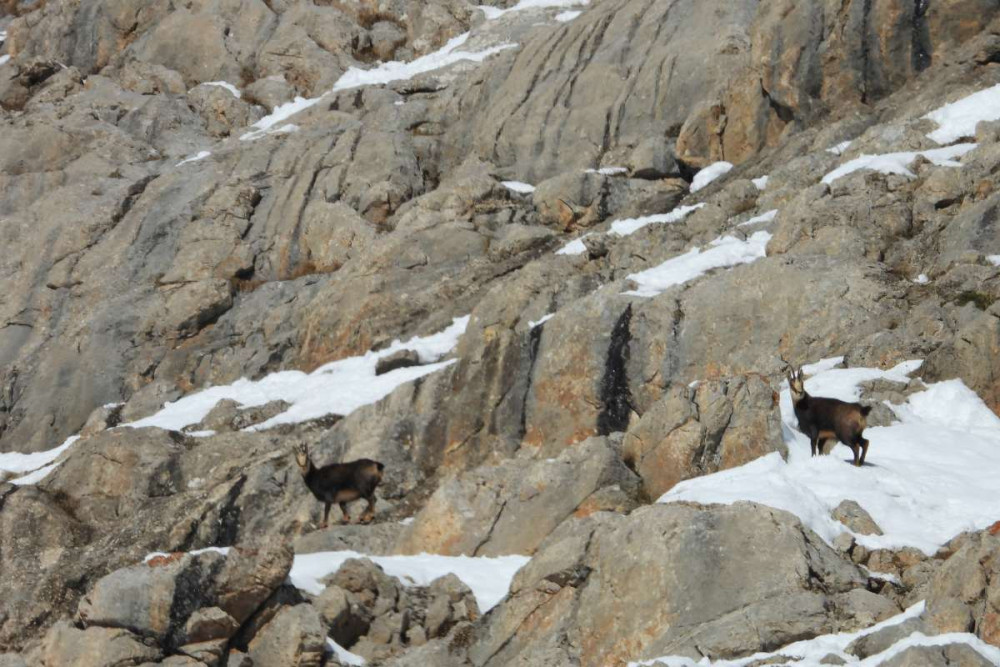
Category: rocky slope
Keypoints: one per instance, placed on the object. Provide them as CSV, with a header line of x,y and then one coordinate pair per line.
x,y
195,193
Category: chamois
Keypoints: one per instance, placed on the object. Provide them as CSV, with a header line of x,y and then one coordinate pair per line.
x,y
341,483
824,418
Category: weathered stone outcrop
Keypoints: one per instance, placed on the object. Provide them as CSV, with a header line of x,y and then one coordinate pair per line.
x,y
601,583
152,248
694,431
512,507
964,595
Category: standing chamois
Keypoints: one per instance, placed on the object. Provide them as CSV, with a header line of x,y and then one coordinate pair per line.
x,y
341,483
825,418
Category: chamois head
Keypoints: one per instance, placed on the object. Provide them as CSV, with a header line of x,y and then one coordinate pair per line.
x,y
302,457
796,385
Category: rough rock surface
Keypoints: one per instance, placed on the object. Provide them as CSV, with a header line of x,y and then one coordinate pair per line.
x,y
156,244
482,513
718,424
761,598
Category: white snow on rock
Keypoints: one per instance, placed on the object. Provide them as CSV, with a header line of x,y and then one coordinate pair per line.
x,y
157,554
15,462
395,71
628,226
279,114
495,12
566,17
574,247
927,478
922,279
541,321
344,656
809,652
489,578
518,186
993,259
608,171
760,183
959,119
767,216
840,148
897,163
4,58
228,86
339,387
723,252
382,73
201,155
709,174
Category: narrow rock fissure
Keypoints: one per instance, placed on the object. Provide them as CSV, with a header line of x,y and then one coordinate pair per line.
x,y
615,397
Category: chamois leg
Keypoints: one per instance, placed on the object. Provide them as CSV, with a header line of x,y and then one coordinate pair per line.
x,y
821,444
347,515
370,510
864,450
326,515
813,444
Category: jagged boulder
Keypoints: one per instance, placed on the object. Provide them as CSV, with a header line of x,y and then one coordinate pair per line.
x,y
964,595
94,647
511,508
612,588
378,618
938,656
294,636
182,599
719,424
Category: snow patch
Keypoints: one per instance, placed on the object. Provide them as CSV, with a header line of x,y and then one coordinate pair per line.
x,y
928,477
760,183
628,226
228,86
396,71
959,119
4,58
574,247
194,158
810,652
763,217
823,365
709,174
540,322
495,12
382,73
725,251
518,186
489,578
15,462
344,656
339,387
607,171
839,148
897,163
158,554
36,476
566,17
922,279
993,259
279,114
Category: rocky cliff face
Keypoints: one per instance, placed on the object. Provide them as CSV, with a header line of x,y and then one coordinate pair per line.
x,y
481,245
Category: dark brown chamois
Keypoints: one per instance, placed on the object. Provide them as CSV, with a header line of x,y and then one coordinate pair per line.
x,y
824,418
341,483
